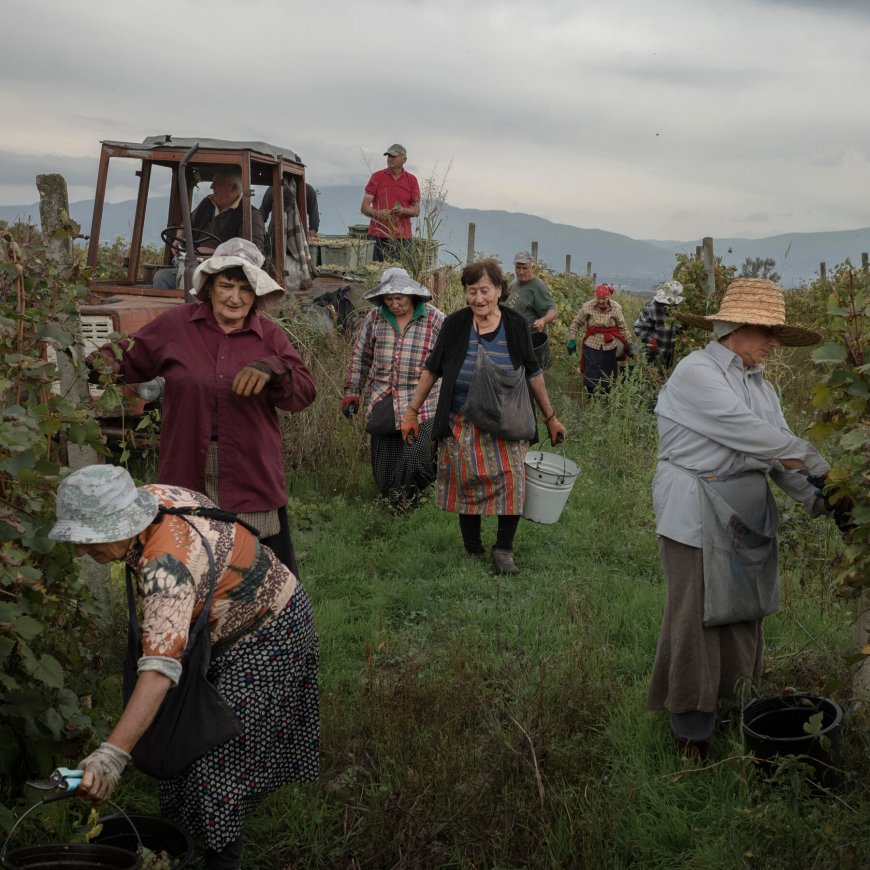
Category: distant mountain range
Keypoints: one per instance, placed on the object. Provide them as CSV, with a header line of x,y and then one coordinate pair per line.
x,y
636,264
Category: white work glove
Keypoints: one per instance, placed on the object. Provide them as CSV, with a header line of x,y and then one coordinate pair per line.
x,y
103,768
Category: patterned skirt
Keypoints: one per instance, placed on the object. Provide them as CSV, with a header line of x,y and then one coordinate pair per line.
x,y
269,679
402,468
479,473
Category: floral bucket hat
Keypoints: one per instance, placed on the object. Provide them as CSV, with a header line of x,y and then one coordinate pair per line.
x,y
100,504
670,293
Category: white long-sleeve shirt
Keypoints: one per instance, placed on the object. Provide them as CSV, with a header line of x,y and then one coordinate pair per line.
x,y
717,418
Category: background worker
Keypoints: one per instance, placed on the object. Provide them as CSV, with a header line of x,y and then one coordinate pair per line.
x,y
605,341
219,214
392,198
657,327
312,210
530,296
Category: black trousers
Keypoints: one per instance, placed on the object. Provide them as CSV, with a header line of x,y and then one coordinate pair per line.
x,y
281,544
389,249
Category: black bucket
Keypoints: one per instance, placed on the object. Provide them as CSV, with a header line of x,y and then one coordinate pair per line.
x,y
541,344
80,856
775,726
156,832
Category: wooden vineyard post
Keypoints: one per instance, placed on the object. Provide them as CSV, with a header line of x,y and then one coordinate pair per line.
x,y
567,264
53,216
823,271
589,268
709,261
865,264
534,252
469,256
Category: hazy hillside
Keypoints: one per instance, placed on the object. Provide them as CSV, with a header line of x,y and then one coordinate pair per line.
x,y
637,264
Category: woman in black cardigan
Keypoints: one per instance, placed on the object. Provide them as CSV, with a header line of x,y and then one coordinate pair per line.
x,y
480,473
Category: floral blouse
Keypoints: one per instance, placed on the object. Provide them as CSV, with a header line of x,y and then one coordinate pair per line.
x,y
171,569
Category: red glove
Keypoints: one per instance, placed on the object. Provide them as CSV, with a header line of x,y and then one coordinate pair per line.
x,y
652,344
349,406
410,426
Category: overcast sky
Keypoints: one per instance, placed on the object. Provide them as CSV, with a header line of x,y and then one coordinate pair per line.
x,y
670,119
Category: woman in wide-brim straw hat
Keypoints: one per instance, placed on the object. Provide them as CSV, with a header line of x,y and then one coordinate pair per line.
x,y
395,339
264,654
228,370
721,435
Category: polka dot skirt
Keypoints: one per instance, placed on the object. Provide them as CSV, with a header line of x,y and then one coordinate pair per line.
x,y
270,680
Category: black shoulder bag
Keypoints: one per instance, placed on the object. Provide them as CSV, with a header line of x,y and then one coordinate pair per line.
x,y
498,401
193,717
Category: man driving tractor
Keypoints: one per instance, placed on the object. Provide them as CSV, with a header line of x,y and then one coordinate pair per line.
x,y
219,216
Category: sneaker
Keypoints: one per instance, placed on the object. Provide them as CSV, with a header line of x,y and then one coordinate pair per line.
x,y
503,562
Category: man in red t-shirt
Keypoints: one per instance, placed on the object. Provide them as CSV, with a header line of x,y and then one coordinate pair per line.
x,y
391,199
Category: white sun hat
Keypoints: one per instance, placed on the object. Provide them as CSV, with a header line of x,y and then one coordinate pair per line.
x,y
237,252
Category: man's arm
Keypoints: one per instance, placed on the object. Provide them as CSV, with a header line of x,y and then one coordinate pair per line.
x,y
367,207
548,317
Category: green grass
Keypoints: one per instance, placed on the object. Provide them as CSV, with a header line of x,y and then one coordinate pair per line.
x,y
476,721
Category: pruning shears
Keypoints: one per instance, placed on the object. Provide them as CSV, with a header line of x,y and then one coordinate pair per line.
x,y
63,783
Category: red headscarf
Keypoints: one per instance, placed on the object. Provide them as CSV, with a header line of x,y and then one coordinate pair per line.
x,y
603,291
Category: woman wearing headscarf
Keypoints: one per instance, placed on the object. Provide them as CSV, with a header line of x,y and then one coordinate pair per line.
x,y
721,435
479,472
228,369
657,326
187,572
388,354
605,339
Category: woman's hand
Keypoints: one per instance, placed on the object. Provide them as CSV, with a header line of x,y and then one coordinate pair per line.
x,y
410,426
251,380
349,406
556,430
103,768
572,346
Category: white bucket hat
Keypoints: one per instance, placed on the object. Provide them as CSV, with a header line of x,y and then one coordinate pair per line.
x,y
397,281
237,252
100,504
670,293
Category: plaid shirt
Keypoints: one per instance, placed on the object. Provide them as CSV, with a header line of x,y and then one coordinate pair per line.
x,y
590,315
389,362
656,322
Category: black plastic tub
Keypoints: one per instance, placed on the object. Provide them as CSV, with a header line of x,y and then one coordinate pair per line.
x,y
157,833
73,856
773,727
541,345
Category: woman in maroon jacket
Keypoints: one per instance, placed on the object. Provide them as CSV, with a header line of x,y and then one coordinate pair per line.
x,y
227,371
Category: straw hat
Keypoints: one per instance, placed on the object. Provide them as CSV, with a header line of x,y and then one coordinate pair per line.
x,y
755,302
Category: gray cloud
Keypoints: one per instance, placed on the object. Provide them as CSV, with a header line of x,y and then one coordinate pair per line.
x,y
22,169
649,119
